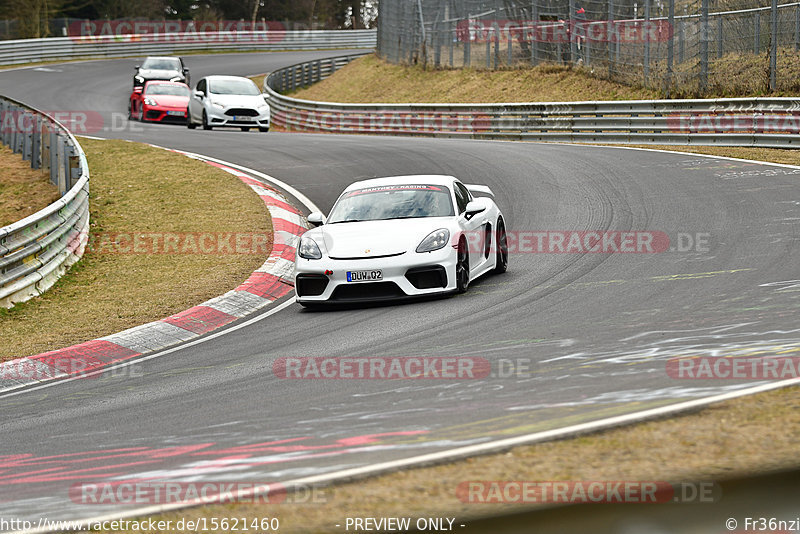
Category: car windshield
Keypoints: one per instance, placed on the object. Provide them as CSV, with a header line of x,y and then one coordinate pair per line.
x,y
161,64
164,89
233,87
392,202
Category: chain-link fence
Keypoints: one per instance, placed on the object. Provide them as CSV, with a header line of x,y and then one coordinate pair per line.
x,y
681,48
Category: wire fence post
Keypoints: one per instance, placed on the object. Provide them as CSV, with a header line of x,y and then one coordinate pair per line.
x,y
756,32
773,50
534,27
719,37
704,47
670,46
468,42
797,27
609,39
573,45
646,41
496,28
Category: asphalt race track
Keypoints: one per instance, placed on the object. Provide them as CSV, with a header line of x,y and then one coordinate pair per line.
x,y
591,333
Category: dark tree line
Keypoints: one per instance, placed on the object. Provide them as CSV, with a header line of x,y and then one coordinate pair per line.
x,y
32,16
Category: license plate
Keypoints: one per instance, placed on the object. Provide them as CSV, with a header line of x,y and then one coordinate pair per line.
x,y
240,118
364,276
178,113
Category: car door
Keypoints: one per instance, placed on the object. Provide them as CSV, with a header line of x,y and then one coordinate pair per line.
x,y
196,104
474,227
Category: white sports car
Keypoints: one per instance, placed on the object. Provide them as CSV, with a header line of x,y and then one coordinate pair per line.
x,y
400,237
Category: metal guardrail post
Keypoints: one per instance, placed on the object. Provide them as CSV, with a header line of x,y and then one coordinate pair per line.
x,y
36,143
55,175
27,137
63,183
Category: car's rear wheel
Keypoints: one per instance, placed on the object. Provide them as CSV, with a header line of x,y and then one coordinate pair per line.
x,y
462,267
189,123
501,264
206,125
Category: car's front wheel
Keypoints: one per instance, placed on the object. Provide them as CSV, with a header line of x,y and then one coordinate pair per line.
x,y
501,264
462,267
206,125
263,129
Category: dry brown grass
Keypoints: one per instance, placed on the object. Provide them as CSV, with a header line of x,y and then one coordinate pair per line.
x,y
154,191
23,191
370,79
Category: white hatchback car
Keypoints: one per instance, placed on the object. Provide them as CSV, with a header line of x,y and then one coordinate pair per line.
x,y
228,101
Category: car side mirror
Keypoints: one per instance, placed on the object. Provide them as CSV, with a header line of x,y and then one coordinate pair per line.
x,y
185,70
199,94
316,218
474,208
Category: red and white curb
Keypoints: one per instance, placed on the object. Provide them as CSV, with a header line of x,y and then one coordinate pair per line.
x,y
270,282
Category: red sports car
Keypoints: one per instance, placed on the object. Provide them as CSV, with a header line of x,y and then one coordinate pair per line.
x,y
159,101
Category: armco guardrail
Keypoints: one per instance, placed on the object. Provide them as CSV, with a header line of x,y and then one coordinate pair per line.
x,y
759,122
37,250
59,48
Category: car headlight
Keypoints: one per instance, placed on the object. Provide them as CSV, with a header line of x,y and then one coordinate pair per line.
x,y
150,102
176,79
263,108
435,240
309,249
217,105
139,79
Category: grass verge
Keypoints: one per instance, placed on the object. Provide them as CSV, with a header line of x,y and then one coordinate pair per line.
x,y
137,189
23,191
370,79
735,438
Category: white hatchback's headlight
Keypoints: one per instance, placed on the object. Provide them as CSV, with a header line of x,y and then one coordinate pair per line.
x,y
309,249
263,108
139,79
217,105
435,240
176,79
